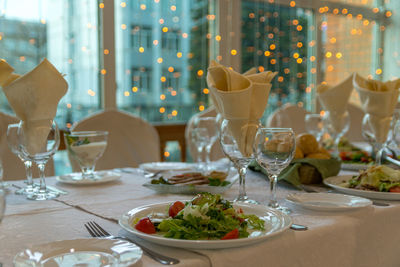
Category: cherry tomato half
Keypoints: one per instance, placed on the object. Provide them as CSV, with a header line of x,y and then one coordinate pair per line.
x,y
234,234
175,208
145,226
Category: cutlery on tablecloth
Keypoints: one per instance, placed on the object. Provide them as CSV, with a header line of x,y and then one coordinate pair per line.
x,y
298,227
96,230
309,189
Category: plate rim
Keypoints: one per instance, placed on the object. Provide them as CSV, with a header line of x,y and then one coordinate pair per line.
x,y
115,176
36,247
203,244
358,192
367,201
185,165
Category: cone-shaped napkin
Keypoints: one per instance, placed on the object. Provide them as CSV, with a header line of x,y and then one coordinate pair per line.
x,y
241,99
334,99
378,99
6,74
34,98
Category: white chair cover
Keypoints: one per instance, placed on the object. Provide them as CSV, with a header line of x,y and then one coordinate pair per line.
x,y
13,168
131,140
289,116
216,150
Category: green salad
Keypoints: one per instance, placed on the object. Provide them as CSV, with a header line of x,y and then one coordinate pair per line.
x,y
205,217
377,178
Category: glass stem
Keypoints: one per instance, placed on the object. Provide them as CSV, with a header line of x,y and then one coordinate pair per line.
x,y
42,185
273,178
379,153
28,171
336,145
242,182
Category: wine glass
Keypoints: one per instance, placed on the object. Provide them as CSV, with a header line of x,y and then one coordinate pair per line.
x,y
337,126
274,149
314,125
2,203
39,142
209,136
368,135
199,138
379,141
86,148
15,147
237,140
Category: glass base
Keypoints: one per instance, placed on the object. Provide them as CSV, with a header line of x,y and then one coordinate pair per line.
x,y
42,195
27,190
80,177
280,208
245,199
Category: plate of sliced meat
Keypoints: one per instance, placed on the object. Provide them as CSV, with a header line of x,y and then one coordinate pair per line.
x,y
174,182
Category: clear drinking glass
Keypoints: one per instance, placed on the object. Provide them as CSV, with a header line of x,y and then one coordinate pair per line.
x,y
86,148
337,127
274,149
368,135
39,142
240,154
2,203
200,139
314,125
15,147
210,136
3,185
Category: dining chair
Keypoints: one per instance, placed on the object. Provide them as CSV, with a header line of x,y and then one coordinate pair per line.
x,y
13,168
216,150
288,116
131,140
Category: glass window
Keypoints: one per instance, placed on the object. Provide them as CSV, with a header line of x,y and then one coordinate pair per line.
x,y
66,33
161,76
276,38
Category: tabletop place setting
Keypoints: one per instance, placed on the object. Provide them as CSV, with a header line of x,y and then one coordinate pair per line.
x,y
274,190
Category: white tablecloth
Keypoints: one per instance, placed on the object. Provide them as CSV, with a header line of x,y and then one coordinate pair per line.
x,y
363,237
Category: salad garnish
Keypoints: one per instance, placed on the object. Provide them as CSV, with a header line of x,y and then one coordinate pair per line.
x,y
205,217
377,178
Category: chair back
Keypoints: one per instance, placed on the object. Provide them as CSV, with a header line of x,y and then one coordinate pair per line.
x,y
13,168
288,116
216,150
131,140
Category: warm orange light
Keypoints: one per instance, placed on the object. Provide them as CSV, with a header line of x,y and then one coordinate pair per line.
x,y
103,71
267,53
179,54
200,73
292,3
272,46
299,61
378,71
201,107
101,5
166,154
141,49
126,93
162,110
206,91
106,51
218,38
233,52
299,28
162,97
171,69
159,60
165,29
163,79
174,113
134,89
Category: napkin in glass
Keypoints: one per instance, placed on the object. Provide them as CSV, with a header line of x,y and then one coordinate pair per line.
x,y
334,99
378,99
6,73
241,99
34,98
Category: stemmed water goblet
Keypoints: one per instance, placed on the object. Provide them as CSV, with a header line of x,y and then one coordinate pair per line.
x,y
15,147
39,141
240,154
86,148
274,150
208,137
337,126
199,138
314,125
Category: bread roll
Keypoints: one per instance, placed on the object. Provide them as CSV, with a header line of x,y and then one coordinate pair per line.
x,y
307,143
298,154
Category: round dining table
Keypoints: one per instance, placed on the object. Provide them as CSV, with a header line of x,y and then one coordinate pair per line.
x,y
368,236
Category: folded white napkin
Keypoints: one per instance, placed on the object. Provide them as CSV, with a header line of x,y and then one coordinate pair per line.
x,y
378,99
34,98
334,99
6,74
241,99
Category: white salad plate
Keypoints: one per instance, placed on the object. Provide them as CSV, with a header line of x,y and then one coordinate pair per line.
x,y
340,183
166,166
76,178
191,189
354,166
275,222
328,201
80,252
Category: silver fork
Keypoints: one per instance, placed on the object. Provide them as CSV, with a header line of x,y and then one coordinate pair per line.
x,y
96,230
